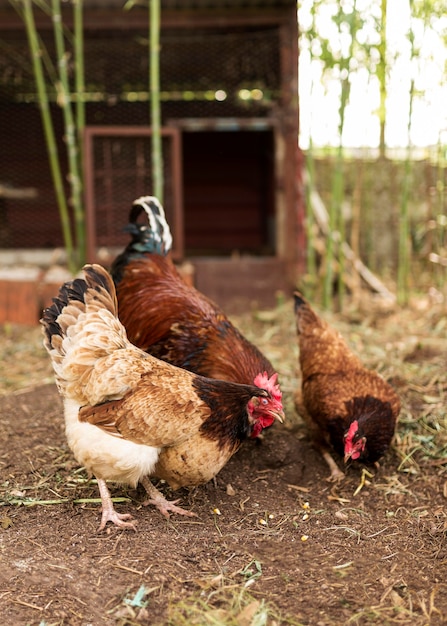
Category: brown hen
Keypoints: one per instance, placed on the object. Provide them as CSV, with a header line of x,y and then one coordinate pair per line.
x,y
129,415
346,406
172,320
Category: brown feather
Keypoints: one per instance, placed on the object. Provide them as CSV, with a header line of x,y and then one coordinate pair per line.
x,y
175,322
337,389
161,411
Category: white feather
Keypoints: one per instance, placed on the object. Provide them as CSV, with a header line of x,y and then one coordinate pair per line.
x,y
165,237
106,456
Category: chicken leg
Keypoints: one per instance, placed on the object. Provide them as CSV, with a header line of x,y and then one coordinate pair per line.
x,y
336,474
160,502
108,511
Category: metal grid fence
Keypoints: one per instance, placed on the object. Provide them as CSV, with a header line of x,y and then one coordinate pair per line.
x,y
207,73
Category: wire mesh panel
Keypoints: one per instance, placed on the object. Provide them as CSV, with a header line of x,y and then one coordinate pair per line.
x,y
118,170
29,216
208,72
204,73
216,73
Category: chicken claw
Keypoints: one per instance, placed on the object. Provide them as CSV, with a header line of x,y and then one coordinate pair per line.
x,y
108,511
336,474
117,519
160,502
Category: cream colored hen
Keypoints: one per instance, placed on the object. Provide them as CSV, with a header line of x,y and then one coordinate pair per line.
x,y
129,415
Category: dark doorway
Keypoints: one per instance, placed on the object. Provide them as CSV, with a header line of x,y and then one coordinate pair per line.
x,y
228,186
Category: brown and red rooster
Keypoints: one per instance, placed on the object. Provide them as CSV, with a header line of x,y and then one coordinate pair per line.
x,y
173,321
129,415
346,406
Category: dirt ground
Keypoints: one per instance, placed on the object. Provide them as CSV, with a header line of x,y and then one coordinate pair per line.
x,y
272,532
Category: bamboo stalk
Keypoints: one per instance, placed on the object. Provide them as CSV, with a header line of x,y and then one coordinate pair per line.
x,y
78,46
356,222
339,189
311,269
337,201
154,79
47,122
330,250
64,101
441,218
311,258
381,76
336,218
322,219
403,269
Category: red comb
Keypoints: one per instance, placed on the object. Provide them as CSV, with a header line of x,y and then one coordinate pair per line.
x,y
351,432
269,384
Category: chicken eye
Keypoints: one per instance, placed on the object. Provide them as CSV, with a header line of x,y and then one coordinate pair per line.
x,y
264,401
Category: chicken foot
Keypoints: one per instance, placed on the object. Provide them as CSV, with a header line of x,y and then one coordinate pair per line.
x,y
336,474
108,511
160,502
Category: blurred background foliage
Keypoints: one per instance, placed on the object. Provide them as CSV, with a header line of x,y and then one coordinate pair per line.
x,y
374,130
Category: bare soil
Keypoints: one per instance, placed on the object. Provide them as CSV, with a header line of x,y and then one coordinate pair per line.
x,y
371,551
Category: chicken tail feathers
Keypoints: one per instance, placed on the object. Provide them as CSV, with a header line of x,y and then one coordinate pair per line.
x,y
299,301
100,292
305,316
157,236
96,291
153,237
80,328
69,292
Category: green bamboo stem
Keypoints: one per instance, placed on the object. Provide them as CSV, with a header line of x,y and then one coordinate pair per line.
x,y
338,193
403,269
340,228
441,211
404,237
336,219
64,101
336,222
339,182
154,47
78,46
310,222
329,261
49,131
381,76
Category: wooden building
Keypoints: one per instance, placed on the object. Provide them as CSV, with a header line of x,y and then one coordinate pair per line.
x,y
229,103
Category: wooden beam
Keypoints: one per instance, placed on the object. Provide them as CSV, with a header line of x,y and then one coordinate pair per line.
x,y
116,18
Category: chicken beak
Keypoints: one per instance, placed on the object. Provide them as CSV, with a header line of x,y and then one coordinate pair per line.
x,y
356,451
278,415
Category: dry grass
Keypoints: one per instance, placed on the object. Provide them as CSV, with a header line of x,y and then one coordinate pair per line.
x,y
230,604
407,347
24,364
